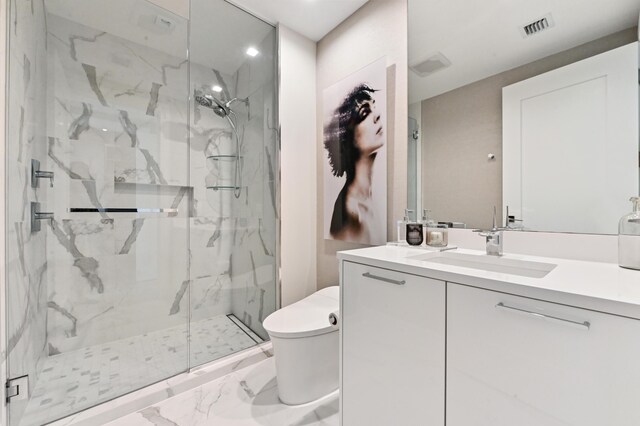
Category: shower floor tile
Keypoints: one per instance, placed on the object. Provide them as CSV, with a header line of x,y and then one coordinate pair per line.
x,y
73,381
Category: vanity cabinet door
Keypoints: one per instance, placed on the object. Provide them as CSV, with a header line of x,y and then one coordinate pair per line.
x,y
393,336
519,361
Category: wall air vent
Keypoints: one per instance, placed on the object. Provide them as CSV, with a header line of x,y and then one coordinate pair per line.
x,y
537,26
431,65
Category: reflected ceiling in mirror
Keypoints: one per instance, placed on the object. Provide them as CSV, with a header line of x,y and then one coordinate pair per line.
x,y
461,56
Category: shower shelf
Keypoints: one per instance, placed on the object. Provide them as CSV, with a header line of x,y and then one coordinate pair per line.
x,y
235,159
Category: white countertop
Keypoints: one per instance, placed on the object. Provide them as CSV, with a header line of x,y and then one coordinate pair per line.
x,y
602,287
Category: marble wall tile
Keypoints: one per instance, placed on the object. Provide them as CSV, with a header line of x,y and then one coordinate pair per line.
x,y
117,137
113,71
211,227
241,243
118,92
253,275
115,278
210,245
253,257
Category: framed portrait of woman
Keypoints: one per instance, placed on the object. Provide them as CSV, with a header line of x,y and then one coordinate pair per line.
x,y
355,156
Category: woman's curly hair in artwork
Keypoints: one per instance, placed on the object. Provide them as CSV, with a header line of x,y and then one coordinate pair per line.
x,y
339,133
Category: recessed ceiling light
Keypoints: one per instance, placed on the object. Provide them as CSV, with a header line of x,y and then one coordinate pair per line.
x,y
104,130
252,51
216,89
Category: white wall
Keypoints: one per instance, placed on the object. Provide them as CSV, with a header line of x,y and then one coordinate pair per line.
x,y
298,165
377,29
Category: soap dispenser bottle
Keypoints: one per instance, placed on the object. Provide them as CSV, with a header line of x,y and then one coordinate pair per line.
x,y
402,226
427,221
415,233
629,237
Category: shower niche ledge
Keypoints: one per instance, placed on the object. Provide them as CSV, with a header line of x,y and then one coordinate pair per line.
x,y
224,187
124,184
223,157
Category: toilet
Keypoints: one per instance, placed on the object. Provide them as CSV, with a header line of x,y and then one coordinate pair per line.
x,y
306,347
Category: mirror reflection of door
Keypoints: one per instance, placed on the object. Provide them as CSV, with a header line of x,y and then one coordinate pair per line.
x,y
570,143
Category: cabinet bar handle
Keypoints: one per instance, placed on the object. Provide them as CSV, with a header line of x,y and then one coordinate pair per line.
x,y
386,280
582,325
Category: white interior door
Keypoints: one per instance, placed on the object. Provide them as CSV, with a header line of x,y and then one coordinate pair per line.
x,y
570,144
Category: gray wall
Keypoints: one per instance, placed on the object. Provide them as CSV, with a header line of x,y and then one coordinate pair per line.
x,y
460,127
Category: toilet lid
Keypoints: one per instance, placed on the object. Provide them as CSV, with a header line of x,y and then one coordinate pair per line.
x,y
308,317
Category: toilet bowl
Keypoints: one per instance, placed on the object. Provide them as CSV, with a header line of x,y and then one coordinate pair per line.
x,y
306,347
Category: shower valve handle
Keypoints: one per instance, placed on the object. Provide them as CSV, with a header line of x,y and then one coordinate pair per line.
x,y
37,174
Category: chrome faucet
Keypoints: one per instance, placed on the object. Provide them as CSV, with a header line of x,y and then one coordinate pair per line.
x,y
493,237
510,221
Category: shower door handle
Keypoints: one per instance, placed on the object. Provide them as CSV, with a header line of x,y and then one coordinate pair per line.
x,y
122,210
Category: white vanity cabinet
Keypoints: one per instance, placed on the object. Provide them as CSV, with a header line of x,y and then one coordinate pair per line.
x,y
392,348
517,361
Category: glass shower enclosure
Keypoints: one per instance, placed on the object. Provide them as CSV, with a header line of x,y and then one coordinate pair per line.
x,y
141,218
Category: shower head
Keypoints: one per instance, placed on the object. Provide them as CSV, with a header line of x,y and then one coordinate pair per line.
x,y
204,100
209,101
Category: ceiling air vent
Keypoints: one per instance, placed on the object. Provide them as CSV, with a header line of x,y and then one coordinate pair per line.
x,y
431,65
537,26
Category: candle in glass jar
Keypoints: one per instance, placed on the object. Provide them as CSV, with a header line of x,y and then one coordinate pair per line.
x,y
435,237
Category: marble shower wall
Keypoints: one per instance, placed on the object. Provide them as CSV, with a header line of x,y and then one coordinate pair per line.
x,y
26,262
116,137
253,257
109,117
211,227
234,260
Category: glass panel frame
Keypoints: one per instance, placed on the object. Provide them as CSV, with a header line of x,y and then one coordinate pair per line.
x,y
95,298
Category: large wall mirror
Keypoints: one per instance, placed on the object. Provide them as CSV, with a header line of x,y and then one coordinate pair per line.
x,y
530,106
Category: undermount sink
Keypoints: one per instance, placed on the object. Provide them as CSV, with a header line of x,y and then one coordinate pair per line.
x,y
524,268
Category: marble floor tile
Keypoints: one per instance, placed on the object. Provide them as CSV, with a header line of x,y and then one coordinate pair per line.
x,y
247,397
76,380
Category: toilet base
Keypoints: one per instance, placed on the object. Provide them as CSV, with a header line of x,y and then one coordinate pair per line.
x,y
307,367
324,399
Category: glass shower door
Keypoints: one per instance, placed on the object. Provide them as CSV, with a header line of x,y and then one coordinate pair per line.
x,y
98,203
233,166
